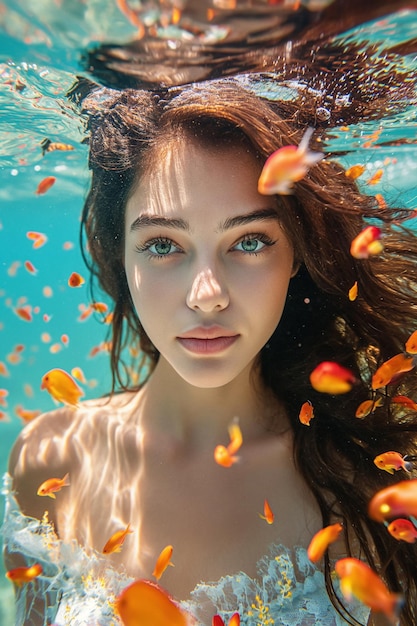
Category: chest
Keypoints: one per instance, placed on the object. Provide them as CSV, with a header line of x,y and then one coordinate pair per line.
x,y
209,514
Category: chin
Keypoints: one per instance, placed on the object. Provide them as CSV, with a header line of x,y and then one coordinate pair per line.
x,y
209,379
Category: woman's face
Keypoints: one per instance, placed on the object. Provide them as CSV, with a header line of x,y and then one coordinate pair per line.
x,y
207,262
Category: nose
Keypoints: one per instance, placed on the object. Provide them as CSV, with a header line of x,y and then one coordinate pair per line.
x,y
207,293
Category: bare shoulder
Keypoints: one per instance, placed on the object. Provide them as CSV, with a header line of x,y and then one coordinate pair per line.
x,y
50,446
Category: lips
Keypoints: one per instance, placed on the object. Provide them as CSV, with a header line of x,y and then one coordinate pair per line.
x,y
207,332
207,346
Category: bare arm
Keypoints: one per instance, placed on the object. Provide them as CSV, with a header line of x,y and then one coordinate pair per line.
x,y
37,455
42,451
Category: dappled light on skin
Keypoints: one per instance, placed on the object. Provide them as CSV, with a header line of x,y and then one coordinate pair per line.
x,y
163,196
137,278
206,292
86,438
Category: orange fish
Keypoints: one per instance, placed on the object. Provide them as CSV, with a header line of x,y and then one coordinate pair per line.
x,y
367,407
79,375
392,461
371,138
28,390
12,271
3,369
391,370
395,501
321,541
355,171
76,280
332,378
97,349
366,243
50,146
24,312
52,485
375,178
25,414
226,456
21,575
100,307
404,401
3,394
45,184
233,621
403,530
286,166
61,386
306,413
162,562
30,267
114,544
381,201
144,603
85,313
411,344
268,515
358,580
14,358
39,239
109,318
353,291
236,438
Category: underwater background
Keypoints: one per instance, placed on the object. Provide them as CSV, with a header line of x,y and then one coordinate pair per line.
x,y
44,322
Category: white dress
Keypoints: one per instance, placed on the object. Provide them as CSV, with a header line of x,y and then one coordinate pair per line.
x,y
78,588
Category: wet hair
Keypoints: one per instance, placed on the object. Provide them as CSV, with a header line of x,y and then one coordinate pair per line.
x,y
319,323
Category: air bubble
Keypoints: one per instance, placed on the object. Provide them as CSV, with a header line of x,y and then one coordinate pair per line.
x,y
322,114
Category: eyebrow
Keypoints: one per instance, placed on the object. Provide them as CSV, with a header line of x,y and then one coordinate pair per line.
x,y
178,223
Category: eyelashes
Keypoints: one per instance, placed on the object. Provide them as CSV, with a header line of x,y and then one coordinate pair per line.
x,y
162,242
165,247
250,239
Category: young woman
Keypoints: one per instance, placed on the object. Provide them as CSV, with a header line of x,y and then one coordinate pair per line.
x,y
228,299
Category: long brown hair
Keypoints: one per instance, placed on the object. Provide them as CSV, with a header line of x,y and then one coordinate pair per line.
x,y
325,212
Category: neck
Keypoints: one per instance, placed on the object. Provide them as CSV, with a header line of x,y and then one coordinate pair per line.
x,y
199,417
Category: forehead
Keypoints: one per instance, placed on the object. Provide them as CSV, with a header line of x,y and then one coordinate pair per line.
x,y
187,176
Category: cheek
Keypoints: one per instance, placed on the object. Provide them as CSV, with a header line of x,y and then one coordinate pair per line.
x,y
269,288
271,298
152,292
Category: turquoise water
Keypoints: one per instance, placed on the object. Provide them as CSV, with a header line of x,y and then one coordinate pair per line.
x,y
39,59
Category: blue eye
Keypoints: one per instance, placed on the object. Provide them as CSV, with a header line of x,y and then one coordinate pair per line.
x,y
161,248
158,248
252,244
